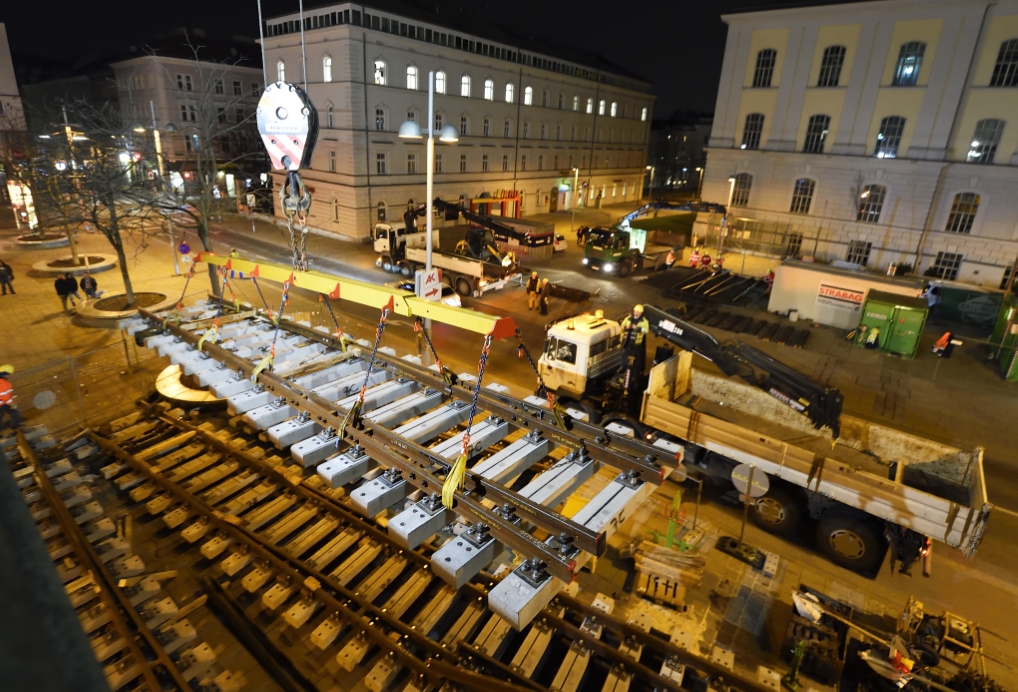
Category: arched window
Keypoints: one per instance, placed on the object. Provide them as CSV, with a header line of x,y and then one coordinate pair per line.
x,y
590,105
643,115
763,73
528,96
380,73
576,103
526,129
381,211
379,119
752,131
330,116
489,90
802,196
507,129
439,121
544,130
963,213
889,137
614,109
985,141
544,99
509,92
465,87
327,69
486,127
830,66
740,191
440,82
910,61
464,125
411,78
871,201
280,71
600,107
1005,72
816,134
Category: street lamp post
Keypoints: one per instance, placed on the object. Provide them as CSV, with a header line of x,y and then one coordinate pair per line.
x,y
650,186
448,134
724,219
699,183
157,139
576,197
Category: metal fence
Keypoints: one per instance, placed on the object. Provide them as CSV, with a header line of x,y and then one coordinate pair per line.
x,y
73,393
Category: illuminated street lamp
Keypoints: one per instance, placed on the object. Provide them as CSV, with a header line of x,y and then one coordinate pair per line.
x,y
699,183
724,219
448,134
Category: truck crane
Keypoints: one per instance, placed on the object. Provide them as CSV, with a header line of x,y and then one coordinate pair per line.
x,y
870,491
616,249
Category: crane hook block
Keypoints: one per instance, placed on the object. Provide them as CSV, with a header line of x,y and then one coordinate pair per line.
x,y
288,124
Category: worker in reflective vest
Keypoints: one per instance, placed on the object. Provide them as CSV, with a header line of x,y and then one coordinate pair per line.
x,y
10,417
670,259
636,328
694,258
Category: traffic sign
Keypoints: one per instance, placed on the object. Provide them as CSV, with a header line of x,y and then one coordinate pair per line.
x,y
428,284
184,248
740,478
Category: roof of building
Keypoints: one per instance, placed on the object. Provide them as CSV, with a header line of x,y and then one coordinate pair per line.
x,y
479,19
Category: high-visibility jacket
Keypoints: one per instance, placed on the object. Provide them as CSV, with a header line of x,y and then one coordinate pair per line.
x,y
636,329
694,259
6,392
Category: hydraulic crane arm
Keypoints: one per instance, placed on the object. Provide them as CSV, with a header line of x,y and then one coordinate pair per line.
x,y
708,207
813,399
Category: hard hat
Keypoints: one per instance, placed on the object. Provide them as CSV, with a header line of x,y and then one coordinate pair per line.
x,y
6,369
533,275
638,310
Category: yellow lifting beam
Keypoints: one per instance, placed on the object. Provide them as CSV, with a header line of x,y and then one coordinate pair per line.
x,y
405,303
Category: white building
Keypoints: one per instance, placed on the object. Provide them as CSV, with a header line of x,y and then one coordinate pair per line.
x,y
526,118
12,112
873,132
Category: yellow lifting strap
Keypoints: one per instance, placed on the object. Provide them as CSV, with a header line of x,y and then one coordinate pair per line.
x,y
211,335
264,363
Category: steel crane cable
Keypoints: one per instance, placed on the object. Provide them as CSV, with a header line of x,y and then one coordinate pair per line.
x,y
542,388
454,479
355,409
420,329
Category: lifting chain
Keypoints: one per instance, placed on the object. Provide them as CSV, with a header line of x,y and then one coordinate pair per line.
x,y
175,315
454,480
542,388
270,357
343,338
354,412
295,200
268,310
419,328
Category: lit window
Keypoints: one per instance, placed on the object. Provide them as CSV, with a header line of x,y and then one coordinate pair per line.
x,y
411,78
489,90
379,73
440,82
1005,72
614,109
830,66
889,137
740,191
816,134
910,61
802,196
871,201
985,141
509,92
643,115
946,265
379,119
327,69
600,107
859,252
963,213
590,106
763,73
576,103
465,87
380,168
752,131
280,72
528,96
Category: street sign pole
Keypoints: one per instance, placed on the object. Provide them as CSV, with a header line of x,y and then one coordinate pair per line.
x,y
750,485
745,505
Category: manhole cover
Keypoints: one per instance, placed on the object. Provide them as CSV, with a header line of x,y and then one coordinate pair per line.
x,y
118,303
44,399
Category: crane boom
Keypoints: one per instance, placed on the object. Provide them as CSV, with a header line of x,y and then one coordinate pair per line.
x,y
707,207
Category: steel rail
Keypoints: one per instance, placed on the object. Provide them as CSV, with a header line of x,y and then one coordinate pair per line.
x,y
111,596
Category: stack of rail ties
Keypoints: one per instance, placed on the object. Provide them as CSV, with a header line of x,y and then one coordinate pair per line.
x,y
702,296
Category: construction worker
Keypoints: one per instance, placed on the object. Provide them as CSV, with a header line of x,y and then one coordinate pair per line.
x,y
768,282
670,259
234,254
10,417
544,295
694,258
533,286
636,328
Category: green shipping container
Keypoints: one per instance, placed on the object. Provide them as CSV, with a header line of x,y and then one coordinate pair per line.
x,y
899,319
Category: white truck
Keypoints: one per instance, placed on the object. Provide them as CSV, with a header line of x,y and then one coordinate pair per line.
x,y
876,487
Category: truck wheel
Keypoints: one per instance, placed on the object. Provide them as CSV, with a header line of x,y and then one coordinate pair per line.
x,y
638,261
850,540
464,287
625,269
406,269
778,511
639,432
387,265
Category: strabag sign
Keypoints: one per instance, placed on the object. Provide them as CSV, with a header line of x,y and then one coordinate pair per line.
x,y
841,298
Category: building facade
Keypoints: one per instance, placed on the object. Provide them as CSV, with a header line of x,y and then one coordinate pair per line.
x,y
12,113
526,119
677,152
187,99
874,133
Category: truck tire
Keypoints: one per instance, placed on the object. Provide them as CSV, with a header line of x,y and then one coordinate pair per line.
x,y
625,269
638,261
777,512
387,264
464,287
639,431
406,269
850,540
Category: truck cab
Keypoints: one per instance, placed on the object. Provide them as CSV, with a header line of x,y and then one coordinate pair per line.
x,y
390,245
580,352
610,250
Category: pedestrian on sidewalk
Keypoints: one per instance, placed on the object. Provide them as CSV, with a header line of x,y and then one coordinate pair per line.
x,y
932,296
545,295
10,417
66,288
533,286
89,286
6,278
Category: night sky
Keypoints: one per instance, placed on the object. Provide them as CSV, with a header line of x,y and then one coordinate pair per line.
x,y
676,44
